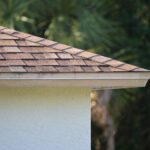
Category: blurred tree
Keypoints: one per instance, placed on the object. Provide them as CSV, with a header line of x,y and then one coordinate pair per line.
x,y
133,128
102,124
132,106
11,11
78,23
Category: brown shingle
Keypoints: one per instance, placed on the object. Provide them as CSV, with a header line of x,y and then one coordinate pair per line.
x,y
91,63
114,63
69,69
8,43
31,69
11,63
2,50
64,55
38,49
8,31
39,56
5,69
127,67
50,50
105,68
64,62
30,49
7,37
88,69
22,52
100,58
60,46
70,62
51,56
45,56
41,69
73,50
41,62
86,54
18,56
47,42
91,69
26,43
11,49
1,57
113,69
96,69
46,69
34,38
81,62
21,35
78,57
17,69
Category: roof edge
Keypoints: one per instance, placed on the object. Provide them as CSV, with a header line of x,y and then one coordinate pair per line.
x,y
76,76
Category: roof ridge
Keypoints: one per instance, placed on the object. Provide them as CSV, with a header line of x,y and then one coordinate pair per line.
x,y
71,50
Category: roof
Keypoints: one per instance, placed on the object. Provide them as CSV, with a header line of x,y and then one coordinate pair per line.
x,y
22,52
24,58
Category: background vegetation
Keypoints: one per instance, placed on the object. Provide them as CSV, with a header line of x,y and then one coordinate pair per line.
x,y
116,28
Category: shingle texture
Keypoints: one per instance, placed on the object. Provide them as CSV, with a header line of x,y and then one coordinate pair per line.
x,y
22,52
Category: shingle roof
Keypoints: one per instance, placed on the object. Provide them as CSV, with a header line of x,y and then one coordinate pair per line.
x,y
22,52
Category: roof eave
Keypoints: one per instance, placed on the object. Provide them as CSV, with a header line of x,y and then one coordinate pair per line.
x,y
90,80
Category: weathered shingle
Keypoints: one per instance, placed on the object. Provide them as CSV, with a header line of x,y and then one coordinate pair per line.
x,y
17,69
8,42
10,49
26,43
21,35
60,46
86,54
23,52
101,59
7,37
73,50
45,56
47,42
70,69
40,62
64,55
8,31
41,69
18,56
11,63
34,38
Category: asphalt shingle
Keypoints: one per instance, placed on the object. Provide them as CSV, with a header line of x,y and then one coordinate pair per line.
x,y
23,52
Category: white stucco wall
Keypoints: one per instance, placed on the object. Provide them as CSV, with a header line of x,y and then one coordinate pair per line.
x,y
44,119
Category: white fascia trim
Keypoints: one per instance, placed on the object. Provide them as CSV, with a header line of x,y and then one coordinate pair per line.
x,y
88,80
76,76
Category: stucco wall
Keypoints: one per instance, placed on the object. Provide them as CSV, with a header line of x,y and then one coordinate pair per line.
x,y
44,119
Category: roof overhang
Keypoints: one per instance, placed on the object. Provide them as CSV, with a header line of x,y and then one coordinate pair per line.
x,y
89,80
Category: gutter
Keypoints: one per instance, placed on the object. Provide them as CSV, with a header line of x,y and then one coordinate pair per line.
x,y
76,76
88,80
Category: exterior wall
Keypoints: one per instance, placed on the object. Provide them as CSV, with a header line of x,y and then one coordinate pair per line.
x,y
44,119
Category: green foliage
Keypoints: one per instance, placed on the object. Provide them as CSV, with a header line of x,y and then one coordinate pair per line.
x,y
11,11
66,21
133,129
